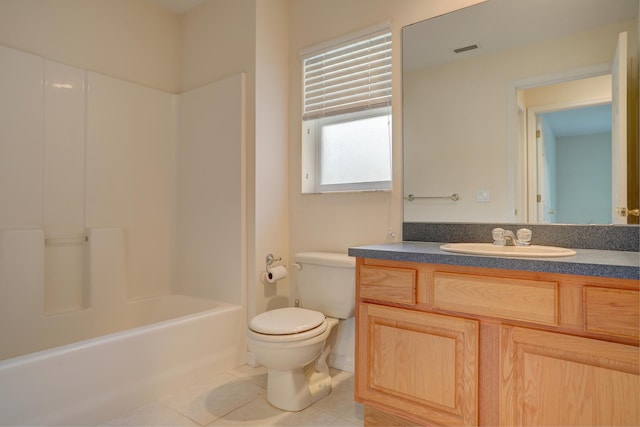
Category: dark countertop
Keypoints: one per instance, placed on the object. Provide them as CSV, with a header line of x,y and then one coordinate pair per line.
x,y
586,262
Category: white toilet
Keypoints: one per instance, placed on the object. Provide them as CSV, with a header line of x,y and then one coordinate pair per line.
x,y
291,342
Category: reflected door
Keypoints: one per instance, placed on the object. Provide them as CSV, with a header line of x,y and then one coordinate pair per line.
x,y
619,132
544,155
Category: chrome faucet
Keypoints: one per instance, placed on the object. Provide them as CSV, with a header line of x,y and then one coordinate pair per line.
x,y
521,238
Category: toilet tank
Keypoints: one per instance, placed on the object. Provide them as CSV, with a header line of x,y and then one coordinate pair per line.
x,y
326,283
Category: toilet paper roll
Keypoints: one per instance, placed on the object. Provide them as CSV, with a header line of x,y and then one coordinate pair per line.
x,y
276,273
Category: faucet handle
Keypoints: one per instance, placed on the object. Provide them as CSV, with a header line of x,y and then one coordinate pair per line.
x,y
524,236
498,236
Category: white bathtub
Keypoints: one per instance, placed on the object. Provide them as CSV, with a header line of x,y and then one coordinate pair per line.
x,y
96,379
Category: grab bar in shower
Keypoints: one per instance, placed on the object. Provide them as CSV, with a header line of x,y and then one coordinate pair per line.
x,y
455,197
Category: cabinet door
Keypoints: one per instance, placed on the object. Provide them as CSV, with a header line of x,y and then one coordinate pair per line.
x,y
417,365
551,379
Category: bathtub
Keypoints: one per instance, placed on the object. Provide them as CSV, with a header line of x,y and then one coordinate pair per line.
x,y
93,380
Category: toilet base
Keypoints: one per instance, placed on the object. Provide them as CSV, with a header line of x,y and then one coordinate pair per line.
x,y
295,390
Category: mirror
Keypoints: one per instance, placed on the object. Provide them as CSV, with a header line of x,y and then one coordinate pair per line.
x,y
481,85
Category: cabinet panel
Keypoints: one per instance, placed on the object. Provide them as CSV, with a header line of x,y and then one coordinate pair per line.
x,y
550,379
397,285
419,365
611,311
516,299
395,369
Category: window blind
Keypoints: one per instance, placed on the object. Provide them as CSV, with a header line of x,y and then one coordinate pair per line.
x,y
355,76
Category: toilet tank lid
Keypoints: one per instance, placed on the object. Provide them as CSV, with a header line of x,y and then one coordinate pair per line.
x,y
332,259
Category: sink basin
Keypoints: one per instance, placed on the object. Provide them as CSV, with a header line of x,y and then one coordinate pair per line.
x,y
534,251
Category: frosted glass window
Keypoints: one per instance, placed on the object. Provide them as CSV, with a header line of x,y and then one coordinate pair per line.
x,y
346,123
355,151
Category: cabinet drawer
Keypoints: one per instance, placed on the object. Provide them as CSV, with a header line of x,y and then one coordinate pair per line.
x,y
516,299
397,285
611,311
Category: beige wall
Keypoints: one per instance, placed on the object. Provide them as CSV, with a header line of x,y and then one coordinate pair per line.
x,y
573,91
133,40
217,40
222,37
335,222
271,149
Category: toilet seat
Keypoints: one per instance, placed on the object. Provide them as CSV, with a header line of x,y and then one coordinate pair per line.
x,y
287,324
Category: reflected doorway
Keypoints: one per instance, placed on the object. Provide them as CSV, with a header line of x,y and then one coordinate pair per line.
x,y
568,107
573,164
592,86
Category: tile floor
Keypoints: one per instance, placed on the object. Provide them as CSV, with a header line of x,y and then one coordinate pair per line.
x,y
239,398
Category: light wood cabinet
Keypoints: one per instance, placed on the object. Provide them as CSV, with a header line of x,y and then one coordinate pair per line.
x,y
395,285
423,364
551,379
611,311
450,345
516,299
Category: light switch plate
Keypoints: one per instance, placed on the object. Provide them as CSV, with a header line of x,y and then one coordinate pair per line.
x,y
482,196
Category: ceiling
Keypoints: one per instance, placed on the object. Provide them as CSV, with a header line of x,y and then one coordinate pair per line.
x,y
178,6
497,25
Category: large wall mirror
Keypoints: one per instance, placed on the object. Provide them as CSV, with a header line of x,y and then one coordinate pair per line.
x,y
522,111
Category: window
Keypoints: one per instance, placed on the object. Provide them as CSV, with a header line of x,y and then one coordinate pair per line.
x,y
347,115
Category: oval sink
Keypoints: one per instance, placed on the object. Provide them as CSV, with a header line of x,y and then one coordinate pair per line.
x,y
536,251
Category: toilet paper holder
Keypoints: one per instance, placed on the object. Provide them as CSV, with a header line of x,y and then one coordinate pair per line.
x,y
269,260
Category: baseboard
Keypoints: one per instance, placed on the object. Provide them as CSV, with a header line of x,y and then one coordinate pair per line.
x,y
342,363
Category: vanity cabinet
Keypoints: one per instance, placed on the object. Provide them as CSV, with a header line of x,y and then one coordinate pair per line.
x,y
452,345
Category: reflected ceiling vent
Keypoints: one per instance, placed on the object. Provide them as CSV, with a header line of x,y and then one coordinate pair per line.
x,y
466,48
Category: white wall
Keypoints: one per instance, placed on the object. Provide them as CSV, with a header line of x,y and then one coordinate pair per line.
x,y
222,37
133,40
271,151
334,222
217,40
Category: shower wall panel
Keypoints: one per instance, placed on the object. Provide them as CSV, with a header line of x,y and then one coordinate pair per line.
x,y
63,188
130,175
64,133
211,194
79,149
21,129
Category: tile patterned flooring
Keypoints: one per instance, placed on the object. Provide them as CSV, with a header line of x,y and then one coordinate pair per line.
x,y
239,398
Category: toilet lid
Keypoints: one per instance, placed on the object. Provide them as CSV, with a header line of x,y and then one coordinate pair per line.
x,y
283,321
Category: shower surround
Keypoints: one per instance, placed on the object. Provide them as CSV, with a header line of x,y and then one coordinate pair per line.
x,y
114,195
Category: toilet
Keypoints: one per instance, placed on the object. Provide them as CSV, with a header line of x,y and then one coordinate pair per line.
x,y
292,342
